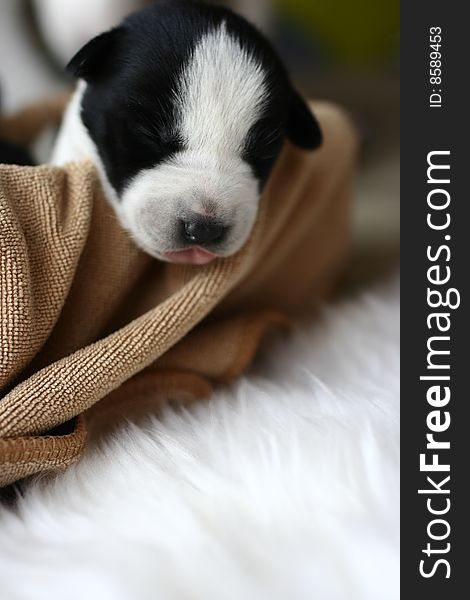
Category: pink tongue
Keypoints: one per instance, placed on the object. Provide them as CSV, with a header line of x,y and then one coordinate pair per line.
x,y
192,256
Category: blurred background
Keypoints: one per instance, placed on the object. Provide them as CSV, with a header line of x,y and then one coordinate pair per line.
x,y
335,49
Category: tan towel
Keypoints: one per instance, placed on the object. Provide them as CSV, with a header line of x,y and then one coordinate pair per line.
x,y
82,310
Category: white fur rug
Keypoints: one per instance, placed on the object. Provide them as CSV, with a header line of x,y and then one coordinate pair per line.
x,y
284,486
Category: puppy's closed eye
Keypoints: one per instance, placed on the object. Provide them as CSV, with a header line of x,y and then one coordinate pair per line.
x,y
154,130
163,138
262,146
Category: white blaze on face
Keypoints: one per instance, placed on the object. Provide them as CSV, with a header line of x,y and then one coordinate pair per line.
x,y
220,96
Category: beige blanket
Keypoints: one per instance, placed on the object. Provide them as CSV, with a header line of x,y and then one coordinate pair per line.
x,y
83,311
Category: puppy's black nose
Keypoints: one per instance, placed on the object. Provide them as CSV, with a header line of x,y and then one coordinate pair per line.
x,y
203,230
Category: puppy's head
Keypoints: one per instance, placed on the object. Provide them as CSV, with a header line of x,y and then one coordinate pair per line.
x,y
188,108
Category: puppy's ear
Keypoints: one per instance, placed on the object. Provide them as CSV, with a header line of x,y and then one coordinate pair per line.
x,y
94,55
303,129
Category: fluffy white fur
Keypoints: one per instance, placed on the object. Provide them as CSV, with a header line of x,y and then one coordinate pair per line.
x,y
73,141
282,486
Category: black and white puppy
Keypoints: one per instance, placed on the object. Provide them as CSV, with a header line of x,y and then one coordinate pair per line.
x,y
184,108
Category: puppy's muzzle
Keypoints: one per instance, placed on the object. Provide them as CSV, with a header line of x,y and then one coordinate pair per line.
x,y
203,231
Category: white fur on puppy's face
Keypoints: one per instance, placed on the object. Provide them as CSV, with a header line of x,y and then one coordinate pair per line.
x,y
220,96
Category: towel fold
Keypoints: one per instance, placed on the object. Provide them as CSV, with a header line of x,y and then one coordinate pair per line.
x,y
83,311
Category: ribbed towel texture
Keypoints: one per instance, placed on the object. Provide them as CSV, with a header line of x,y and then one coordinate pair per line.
x,y
83,311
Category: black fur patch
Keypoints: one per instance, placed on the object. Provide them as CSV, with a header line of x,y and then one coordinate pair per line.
x,y
132,72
